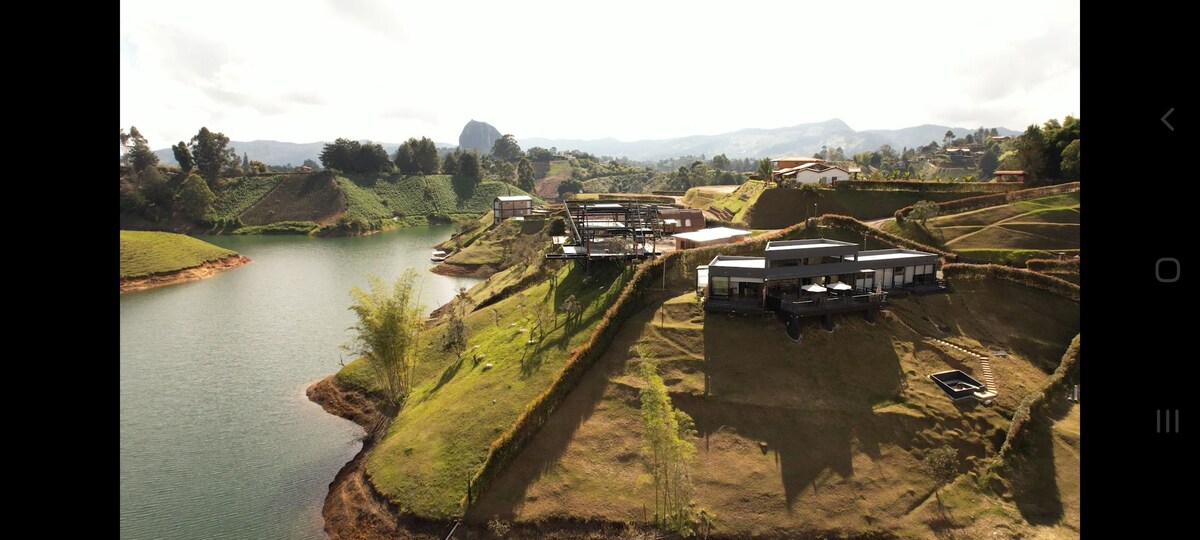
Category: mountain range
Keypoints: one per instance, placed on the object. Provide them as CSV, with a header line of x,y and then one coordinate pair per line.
x,y
800,139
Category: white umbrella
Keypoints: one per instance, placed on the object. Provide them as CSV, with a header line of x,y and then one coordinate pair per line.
x,y
813,287
839,286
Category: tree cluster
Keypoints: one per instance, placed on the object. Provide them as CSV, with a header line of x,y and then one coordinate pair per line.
x,y
418,156
1050,152
355,157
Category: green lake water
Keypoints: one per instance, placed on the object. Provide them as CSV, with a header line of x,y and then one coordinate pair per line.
x,y
217,437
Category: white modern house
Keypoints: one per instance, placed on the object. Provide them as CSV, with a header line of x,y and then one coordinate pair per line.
x,y
814,173
813,277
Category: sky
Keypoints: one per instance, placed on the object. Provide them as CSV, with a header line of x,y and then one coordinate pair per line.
x,y
316,70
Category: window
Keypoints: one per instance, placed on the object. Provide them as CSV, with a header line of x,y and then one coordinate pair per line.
x,y
718,286
687,222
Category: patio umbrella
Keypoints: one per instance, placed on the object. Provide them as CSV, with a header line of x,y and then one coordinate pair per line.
x,y
813,287
839,286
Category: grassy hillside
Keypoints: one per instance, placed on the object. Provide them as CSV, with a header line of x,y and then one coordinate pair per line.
x,y
150,252
818,438
460,405
297,197
1015,232
780,207
372,202
726,205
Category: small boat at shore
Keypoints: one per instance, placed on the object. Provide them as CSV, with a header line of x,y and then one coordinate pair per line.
x,y
438,256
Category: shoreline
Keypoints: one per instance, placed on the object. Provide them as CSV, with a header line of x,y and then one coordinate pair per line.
x,y
184,275
354,510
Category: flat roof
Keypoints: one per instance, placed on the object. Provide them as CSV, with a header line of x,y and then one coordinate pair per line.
x,y
890,255
811,243
604,205
1014,173
738,262
514,198
715,233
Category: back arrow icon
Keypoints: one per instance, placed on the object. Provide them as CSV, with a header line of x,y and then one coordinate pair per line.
x,y
1164,119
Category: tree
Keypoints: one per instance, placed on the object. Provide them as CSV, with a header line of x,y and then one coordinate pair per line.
x,y
210,151
1070,161
941,464
538,153
339,154
370,159
923,211
525,175
1031,151
947,138
196,198
666,442
569,186
720,162
469,166
506,148
450,164
311,164
764,169
386,332
572,308
426,156
155,188
404,159
989,161
456,328
138,153
183,156
245,161
504,171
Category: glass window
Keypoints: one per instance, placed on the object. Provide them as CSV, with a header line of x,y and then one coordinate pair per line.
x,y
719,286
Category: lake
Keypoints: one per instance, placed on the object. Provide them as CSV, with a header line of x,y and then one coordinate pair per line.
x,y
217,437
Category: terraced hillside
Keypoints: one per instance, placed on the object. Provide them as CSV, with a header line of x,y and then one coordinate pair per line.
x,y
1015,232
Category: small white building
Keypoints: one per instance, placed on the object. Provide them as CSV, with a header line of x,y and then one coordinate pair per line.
x,y
811,173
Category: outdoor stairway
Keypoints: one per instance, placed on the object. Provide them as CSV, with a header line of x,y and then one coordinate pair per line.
x,y
989,379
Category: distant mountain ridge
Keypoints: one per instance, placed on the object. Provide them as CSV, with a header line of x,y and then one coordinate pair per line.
x,y
279,152
800,139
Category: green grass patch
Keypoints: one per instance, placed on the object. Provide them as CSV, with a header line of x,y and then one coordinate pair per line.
x,y
150,252
441,436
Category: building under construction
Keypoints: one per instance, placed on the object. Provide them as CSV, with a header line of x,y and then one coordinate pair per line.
x,y
619,230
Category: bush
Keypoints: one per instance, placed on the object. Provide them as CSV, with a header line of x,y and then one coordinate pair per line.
x,y
1029,278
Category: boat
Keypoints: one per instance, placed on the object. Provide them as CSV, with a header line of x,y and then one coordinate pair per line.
x,y
438,256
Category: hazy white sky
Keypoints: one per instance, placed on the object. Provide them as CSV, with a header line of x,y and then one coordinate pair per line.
x,y
309,70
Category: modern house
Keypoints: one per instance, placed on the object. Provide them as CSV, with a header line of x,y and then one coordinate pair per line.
x,y
810,173
709,237
504,207
813,277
